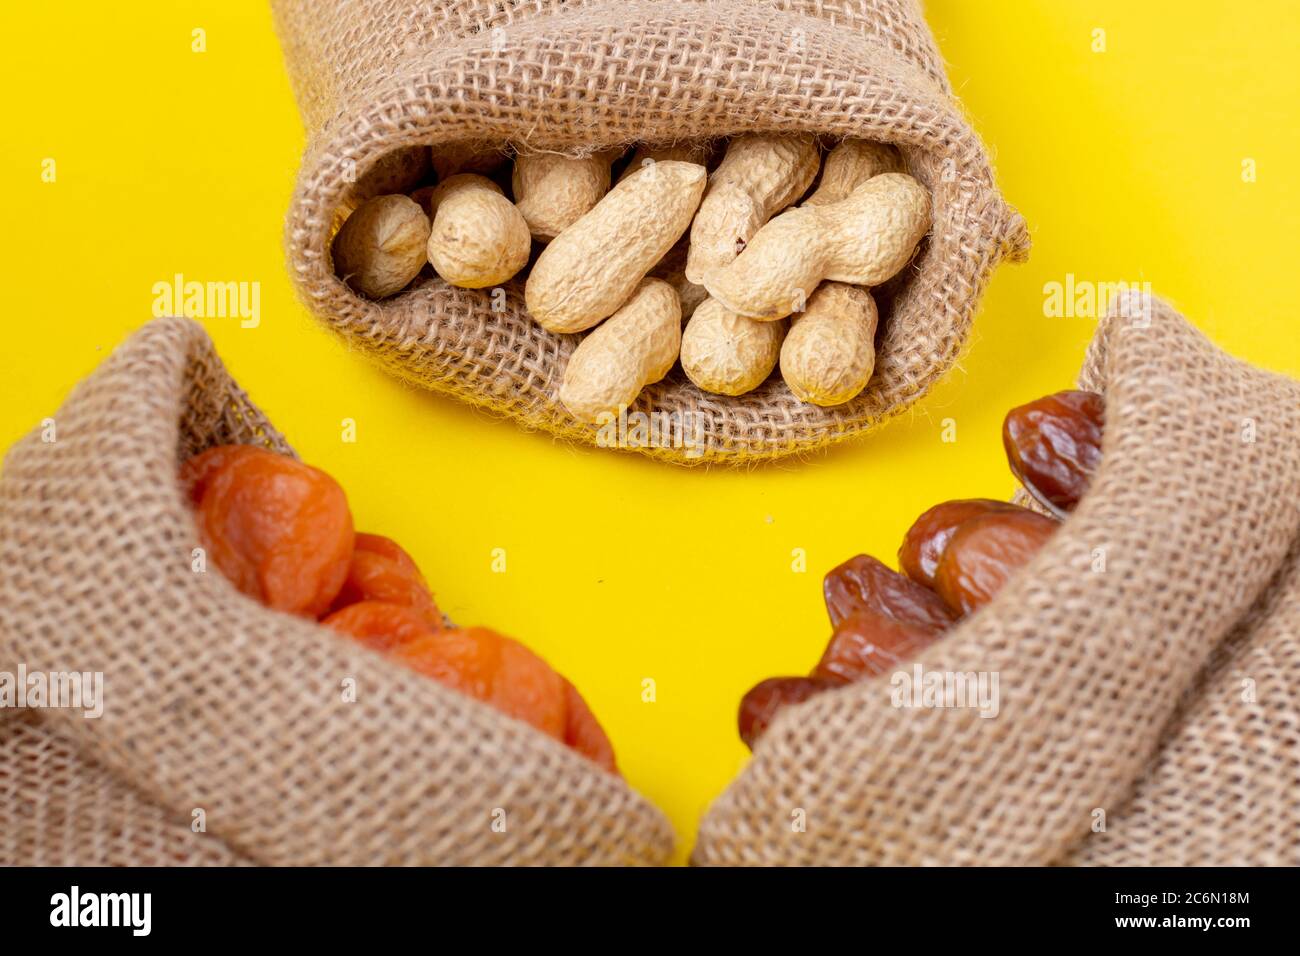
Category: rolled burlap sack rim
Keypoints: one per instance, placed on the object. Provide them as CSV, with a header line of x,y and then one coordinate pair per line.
x,y
576,77
1100,645
299,746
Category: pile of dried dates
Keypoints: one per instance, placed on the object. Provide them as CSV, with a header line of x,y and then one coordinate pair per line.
x,y
953,560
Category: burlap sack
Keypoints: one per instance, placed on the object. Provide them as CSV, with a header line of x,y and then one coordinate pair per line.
x,y
213,703
378,77
1147,660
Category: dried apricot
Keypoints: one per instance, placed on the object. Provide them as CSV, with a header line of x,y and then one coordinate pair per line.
x,y
759,707
381,571
379,624
925,541
198,471
863,583
280,530
1054,445
583,732
985,551
494,669
868,643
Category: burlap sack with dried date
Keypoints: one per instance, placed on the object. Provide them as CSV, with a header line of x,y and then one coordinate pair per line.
x,y
1159,690
214,703
378,78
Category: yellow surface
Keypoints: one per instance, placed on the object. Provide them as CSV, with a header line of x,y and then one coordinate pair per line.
x,y
1127,163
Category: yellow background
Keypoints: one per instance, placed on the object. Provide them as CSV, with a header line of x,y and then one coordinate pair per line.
x,y
1127,164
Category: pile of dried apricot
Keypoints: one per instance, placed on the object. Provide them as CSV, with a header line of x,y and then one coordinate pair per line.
x,y
282,532
953,560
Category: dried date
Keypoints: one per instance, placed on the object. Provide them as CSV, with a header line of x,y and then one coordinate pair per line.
x,y
926,540
863,583
765,700
1054,446
869,643
985,551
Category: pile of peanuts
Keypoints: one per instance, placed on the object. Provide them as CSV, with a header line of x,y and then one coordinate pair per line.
x,y
757,279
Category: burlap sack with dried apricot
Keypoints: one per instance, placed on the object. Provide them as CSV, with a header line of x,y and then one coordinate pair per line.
x,y
225,735
1148,713
378,78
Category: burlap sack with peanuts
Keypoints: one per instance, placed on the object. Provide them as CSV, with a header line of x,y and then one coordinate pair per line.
x,y
375,79
226,736
1147,661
